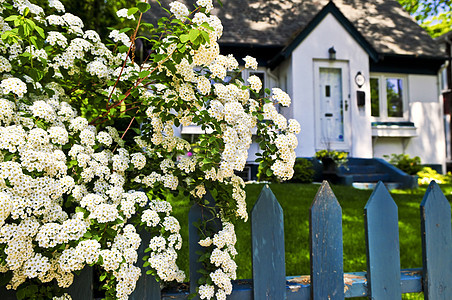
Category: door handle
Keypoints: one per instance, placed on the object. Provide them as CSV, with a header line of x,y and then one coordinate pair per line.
x,y
328,115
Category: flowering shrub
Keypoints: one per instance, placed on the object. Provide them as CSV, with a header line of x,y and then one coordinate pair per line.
x,y
75,193
427,175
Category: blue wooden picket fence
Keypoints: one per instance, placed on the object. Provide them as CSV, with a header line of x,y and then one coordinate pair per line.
x,y
383,281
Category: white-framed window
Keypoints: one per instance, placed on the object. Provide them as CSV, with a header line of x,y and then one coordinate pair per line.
x,y
388,97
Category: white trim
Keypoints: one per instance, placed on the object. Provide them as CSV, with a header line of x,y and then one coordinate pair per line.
x,y
383,97
345,77
394,131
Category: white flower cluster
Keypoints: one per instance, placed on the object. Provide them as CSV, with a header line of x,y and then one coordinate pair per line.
x,y
222,258
163,248
123,13
13,85
179,10
255,83
280,97
250,62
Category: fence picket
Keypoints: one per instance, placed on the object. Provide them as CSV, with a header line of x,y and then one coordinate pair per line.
x,y
82,287
267,234
382,243
147,287
325,234
436,244
196,214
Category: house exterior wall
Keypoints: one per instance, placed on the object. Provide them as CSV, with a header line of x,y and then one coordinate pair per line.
x,y
426,112
315,49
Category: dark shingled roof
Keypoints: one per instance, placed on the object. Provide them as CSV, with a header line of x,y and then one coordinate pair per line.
x,y
386,26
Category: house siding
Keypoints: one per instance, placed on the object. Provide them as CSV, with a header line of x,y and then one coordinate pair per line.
x,y
315,48
426,112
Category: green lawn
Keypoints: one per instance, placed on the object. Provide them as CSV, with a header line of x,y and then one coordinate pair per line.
x,y
295,199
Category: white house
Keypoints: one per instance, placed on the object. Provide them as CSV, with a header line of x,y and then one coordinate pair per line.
x,y
362,75
445,42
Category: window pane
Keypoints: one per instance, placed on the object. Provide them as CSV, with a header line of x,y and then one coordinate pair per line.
x,y
374,97
394,97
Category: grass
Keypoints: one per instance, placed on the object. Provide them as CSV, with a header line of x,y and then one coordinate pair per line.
x,y
295,200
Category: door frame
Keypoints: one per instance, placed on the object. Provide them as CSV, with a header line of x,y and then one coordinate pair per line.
x,y
320,143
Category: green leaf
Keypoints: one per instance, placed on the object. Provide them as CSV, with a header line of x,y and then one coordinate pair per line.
x,y
103,276
143,6
191,296
36,74
132,11
80,209
123,49
33,41
11,18
184,38
206,37
8,157
193,34
144,74
40,31
201,281
269,172
127,29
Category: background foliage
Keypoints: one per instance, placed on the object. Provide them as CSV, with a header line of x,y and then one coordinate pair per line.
x,y
434,15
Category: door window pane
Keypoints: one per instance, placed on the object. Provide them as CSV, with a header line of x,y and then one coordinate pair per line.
x,y
394,97
375,97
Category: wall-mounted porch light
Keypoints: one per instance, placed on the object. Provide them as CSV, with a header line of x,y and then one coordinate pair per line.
x,y
332,53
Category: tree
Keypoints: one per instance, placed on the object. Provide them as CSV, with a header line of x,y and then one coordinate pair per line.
x,y
435,16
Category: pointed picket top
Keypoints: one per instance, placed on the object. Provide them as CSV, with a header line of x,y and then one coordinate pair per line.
x,y
325,200
267,235
436,244
198,213
325,234
382,243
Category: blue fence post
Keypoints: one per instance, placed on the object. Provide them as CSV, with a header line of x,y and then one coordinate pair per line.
x,y
82,287
325,235
436,244
267,235
382,243
147,287
200,213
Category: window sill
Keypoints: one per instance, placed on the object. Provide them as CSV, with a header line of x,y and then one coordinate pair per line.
x,y
393,129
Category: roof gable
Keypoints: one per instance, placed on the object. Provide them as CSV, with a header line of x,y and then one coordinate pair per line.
x,y
330,8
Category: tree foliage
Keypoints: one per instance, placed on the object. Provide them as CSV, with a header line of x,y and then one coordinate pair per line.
x,y
435,16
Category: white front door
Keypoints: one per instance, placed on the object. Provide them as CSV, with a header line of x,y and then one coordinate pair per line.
x,y
332,106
